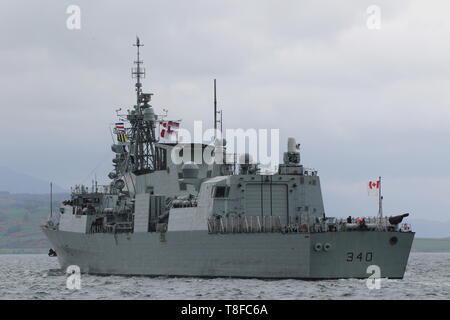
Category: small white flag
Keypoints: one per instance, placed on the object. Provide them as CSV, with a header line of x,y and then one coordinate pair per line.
x,y
373,188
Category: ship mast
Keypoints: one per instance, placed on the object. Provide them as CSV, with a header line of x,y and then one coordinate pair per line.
x,y
143,124
215,111
380,203
138,71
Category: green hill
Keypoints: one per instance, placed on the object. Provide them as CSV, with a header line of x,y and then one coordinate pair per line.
x,y
20,218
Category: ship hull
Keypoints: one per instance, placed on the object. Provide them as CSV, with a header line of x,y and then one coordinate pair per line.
x,y
254,255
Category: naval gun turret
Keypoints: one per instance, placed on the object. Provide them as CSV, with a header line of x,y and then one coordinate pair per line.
x,y
395,220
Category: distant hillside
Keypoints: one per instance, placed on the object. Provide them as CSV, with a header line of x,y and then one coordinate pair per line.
x,y
16,182
20,218
429,228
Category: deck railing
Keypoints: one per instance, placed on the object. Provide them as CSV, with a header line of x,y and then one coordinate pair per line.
x,y
248,224
255,224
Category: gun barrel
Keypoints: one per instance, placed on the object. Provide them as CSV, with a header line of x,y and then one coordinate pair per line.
x,y
397,219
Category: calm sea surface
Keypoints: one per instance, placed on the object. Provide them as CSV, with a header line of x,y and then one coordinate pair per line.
x,y
27,276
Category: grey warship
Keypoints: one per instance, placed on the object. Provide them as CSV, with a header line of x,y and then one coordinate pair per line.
x,y
159,217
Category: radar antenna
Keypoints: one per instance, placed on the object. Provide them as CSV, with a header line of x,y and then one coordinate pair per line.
x,y
143,122
138,72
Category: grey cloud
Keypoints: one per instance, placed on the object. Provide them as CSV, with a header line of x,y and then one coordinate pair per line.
x,y
361,102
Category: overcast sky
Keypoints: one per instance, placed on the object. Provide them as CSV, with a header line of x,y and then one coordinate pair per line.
x,y
361,102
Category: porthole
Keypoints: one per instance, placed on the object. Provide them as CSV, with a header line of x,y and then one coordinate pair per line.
x,y
393,241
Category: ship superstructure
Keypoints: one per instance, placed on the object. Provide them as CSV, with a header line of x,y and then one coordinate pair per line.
x,y
159,216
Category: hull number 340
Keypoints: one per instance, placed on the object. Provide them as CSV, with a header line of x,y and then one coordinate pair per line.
x,y
359,256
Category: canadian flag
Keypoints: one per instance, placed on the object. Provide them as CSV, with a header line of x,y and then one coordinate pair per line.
x,y
373,188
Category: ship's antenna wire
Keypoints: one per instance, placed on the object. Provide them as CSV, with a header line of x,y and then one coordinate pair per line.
x,y
112,136
107,155
221,122
215,111
380,203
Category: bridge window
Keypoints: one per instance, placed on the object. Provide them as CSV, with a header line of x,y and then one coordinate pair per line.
x,y
221,191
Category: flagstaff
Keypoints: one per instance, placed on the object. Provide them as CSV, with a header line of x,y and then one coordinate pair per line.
x,y
51,199
380,202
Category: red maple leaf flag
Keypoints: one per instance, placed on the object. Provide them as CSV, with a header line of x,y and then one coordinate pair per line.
x,y
373,188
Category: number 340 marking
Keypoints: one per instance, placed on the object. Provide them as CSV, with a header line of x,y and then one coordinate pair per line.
x,y
362,256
